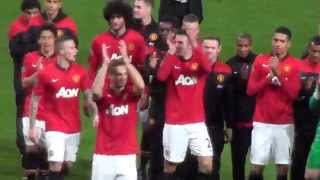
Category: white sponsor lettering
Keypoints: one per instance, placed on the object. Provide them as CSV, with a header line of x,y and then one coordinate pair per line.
x,y
116,56
186,80
67,93
118,110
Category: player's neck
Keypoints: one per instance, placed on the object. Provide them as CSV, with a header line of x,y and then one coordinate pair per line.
x,y
47,53
51,17
187,55
281,56
117,90
146,21
213,60
119,32
63,63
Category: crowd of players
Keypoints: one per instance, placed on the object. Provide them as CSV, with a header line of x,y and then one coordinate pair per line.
x,y
190,101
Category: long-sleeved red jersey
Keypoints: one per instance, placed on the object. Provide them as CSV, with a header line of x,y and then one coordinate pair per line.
x,y
185,87
274,102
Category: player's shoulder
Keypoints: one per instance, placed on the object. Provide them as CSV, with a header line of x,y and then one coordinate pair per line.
x,y
134,34
31,57
223,67
79,68
103,36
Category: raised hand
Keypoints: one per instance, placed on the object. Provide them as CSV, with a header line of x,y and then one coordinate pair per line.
x,y
105,55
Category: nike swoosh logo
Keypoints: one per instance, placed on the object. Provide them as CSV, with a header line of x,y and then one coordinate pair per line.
x,y
34,65
177,67
265,65
55,80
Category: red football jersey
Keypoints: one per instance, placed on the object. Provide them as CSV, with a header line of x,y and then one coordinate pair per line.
x,y
30,66
67,23
185,87
135,44
274,103
21,25
118,123
60,89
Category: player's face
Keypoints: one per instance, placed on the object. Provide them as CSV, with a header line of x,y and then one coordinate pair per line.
x,y
119,77
52,6
29,13
314,53
164,28
117,23
141,9
243,47
47,41
192,29
280,44
69,50
183,44
211,48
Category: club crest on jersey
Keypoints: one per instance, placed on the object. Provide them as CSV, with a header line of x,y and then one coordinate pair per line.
x,y
117,110
76,78
194,66
186,80
67,93
286,68
220,78
153,36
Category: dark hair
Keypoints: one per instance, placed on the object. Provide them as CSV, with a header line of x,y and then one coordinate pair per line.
x,y
170,19
115,63
30,4
49,27
244,35
215,38
191,18
120,8
284,30
315,40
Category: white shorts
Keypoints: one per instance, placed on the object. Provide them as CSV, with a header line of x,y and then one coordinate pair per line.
x,y
271,142
114,167
41,128
177,138
61,146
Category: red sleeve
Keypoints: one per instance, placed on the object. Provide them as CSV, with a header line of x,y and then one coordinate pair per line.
x,y
70,24
85,83
141,53
13,30
93,61
39,88
165,67
257,80
204,62
291,83
27,67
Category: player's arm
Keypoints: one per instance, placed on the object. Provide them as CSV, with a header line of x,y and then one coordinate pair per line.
x,y
257,81
98,83
33,112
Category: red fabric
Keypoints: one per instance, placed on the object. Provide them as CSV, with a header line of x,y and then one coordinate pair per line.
x,y
67,23
135,44
307,66
118,123
184,101
21,25
60,89
30,63
220,67
274,103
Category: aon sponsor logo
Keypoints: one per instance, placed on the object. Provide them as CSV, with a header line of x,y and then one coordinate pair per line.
x,y
118,110
67,93
186,80
115,56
